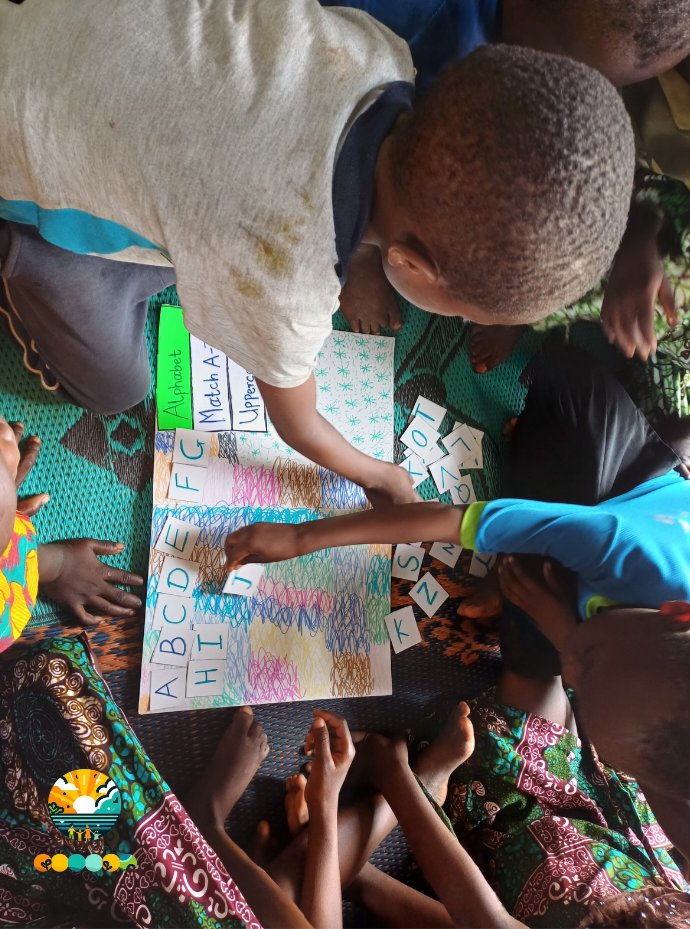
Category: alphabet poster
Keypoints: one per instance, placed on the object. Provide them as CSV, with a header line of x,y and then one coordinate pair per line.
x,y
310,628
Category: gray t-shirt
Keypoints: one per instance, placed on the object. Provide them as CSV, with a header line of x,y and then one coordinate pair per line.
x,y
202,134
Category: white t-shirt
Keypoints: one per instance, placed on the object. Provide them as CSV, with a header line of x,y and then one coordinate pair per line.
x,y
199,133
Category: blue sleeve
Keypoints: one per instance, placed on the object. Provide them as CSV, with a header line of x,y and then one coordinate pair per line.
x,y
582,538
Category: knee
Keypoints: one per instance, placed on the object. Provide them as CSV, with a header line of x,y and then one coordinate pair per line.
x,y
109,395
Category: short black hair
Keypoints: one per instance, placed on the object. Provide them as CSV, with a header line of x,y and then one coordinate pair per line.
x,y
518,168
655,27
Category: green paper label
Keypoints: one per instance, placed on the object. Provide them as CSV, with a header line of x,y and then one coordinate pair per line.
x,y
174,375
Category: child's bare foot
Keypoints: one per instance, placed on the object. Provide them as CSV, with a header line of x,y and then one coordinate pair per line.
x,y
242,748
491,345
484,599
451,748
367,300
296,809
263,847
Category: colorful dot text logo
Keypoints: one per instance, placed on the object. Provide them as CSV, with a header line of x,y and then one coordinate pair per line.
x,y
84,806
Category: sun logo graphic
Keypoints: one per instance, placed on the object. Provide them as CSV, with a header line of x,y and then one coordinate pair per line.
x,y
84,804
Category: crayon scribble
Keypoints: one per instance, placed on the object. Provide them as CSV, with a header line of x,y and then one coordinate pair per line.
x,y
271,679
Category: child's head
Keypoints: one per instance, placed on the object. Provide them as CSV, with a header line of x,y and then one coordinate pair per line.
x,y
627,41
505,194
631,672
9,461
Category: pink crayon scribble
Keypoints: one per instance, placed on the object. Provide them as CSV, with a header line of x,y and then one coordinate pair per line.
x,y
272,679
294,597
255,487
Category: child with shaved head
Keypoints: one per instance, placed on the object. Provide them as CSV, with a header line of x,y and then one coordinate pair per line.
x,y
181,149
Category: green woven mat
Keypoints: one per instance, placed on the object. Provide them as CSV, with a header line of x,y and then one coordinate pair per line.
x,y
97,469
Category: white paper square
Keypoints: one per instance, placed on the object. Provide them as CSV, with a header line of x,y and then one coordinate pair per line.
x,y
445,473
415,468
206,678
192,447
429,411
187,483
210,398
481,564
177,577
244,581
173,612
428,594
173,647
436,453
446,552
177,537
459,443
167,688
420,437
407,562
210,642
402,629
462,493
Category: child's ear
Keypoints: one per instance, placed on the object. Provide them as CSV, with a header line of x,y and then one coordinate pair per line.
x,y
412,259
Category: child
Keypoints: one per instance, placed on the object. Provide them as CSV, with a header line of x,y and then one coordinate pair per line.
x,y
603,497
627,42
182,147
557,837
69,572
237,759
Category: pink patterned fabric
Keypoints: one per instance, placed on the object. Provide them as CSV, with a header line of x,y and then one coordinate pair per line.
x,y
173,856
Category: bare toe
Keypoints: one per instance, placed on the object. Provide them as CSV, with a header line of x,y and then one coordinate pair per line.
x,y
296,809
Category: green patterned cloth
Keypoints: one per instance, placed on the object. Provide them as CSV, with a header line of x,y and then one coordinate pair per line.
x,y
56,716
553,828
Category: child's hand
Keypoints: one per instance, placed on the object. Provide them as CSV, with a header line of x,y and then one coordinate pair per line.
x,y
394,485
330,740
28,455
379,756
636,282
261,543
544,600
71,573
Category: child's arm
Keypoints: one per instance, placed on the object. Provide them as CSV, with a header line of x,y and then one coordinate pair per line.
x,y
267,542
544,600
293,413
71,573
333,753
455,878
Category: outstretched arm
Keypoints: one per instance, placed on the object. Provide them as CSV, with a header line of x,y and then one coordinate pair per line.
x,y
267,542
455,878
293,413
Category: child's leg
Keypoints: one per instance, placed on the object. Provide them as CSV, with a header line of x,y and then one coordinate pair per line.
x,y
241,750
392,903
545,698
580,438
85,316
